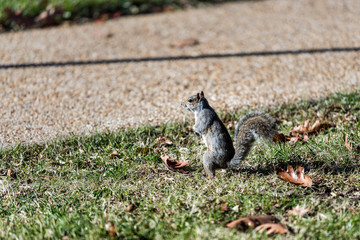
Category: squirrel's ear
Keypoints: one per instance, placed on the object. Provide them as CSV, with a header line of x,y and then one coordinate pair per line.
x,y
198,96
202,94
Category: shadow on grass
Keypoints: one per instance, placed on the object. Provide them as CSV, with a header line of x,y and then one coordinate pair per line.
x,y
179,58
329,168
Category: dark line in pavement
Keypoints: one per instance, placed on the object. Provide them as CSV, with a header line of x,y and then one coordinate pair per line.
x,y
179,58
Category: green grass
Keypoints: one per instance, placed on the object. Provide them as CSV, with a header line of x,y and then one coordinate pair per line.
x,y
70,188
81,10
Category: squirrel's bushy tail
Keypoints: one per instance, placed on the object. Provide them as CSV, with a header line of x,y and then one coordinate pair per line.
x,y
250,128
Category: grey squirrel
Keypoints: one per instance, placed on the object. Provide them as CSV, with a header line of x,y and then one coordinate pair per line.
x,y
221,153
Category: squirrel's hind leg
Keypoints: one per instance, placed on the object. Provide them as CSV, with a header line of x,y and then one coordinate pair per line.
x,y
208,163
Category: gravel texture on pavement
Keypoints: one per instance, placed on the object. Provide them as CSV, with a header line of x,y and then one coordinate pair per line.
x,y
40,103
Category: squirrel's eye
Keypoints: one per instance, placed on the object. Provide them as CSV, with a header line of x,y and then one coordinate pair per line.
x,y
190,100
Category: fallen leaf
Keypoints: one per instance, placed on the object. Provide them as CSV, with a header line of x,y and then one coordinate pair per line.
x,y
224,207
299,211
185,43
298,177
295,138
302,132
175,166
164,141
110,229
348,144
282,138
272,228
252,222
307,129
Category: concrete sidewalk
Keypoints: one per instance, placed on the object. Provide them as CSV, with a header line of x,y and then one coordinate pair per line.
x,y
39,103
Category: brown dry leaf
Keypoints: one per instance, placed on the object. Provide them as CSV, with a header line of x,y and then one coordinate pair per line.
x,y
175,166
110,229
272,228
348,144
294,138
306,129
164,141
302,131
298,177
246,222
282,138
185,43
299,211
224,207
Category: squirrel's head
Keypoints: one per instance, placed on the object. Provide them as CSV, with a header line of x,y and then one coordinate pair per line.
x,y
195,102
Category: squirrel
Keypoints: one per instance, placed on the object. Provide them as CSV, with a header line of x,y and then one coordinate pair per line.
x,y
221,153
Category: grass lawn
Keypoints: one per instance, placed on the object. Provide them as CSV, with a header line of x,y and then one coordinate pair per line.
x,y
73,187
20,14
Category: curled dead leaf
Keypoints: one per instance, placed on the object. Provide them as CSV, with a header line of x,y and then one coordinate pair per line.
x,y
298,177
302,131
185,43
307,129
175,166
252,222
272,228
